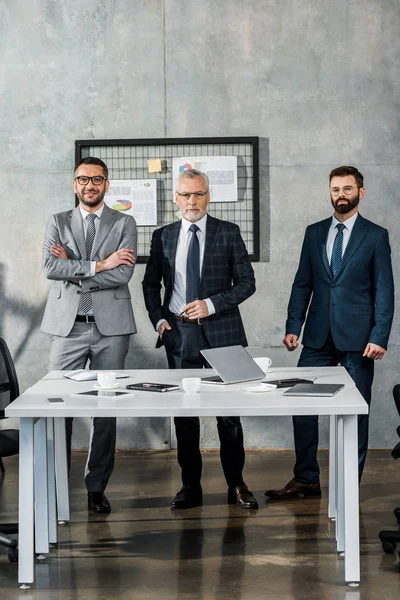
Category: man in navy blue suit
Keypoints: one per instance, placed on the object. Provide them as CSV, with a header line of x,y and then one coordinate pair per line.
x,y
345,282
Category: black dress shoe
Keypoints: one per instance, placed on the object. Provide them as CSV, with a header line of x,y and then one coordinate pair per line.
x,y
188,497
241,495
98,502
295,489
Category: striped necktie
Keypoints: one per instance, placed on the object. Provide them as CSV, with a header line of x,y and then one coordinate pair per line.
x,y
337,249
85,303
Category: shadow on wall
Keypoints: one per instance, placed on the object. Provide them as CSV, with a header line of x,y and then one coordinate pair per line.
x,y
265,201
30,314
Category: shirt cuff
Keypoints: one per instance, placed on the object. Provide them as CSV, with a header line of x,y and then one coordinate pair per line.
x,y
210,306
160,322
92,268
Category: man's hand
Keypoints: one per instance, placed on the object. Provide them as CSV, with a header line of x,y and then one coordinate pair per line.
x,y
374,351
124,256
197,309
58,251
164,325
290,341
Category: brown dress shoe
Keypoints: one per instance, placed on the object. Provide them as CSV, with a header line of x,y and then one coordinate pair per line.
x,y
295,489
241,495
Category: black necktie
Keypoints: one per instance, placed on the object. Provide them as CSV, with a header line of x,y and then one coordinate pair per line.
x,y
85,303
193,266
337,249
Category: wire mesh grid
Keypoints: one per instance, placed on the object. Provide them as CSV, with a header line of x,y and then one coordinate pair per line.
x,y
129,161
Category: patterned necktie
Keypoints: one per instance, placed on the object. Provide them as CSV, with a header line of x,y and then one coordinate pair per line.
x,y
193,266
337,249
85,303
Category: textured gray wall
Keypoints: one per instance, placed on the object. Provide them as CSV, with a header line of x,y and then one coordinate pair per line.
x,y
317,81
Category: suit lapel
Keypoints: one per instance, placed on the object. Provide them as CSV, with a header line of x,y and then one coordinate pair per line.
x,y
324,230
77,231
171,244
104,227
357,234
212,228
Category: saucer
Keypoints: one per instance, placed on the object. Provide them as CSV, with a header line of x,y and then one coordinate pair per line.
x,y
259,388
99,387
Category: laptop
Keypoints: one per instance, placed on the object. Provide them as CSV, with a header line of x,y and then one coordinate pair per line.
x,y
314,389
233,365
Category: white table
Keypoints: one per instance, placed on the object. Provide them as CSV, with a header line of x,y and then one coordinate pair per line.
x,y
43,481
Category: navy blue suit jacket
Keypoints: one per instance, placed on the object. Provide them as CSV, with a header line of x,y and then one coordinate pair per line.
x,y
227,278
357,304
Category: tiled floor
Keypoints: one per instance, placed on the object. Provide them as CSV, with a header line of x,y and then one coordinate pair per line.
x,y
144,551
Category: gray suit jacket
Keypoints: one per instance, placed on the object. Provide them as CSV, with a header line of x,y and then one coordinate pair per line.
x,y
112,307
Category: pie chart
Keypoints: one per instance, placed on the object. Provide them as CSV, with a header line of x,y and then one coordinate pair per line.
x,y
122,205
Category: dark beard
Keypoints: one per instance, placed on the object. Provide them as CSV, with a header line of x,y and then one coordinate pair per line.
x,y
92,203
346,208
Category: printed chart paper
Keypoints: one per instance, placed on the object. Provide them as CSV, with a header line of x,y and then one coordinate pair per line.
x,y
136,197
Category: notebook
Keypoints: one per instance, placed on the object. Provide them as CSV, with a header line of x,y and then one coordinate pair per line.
x,y
233,365
314,389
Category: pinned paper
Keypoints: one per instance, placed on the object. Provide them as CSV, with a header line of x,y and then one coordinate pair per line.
x,y
154,166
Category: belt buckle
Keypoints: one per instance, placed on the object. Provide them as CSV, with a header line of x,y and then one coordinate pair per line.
x,y
89,318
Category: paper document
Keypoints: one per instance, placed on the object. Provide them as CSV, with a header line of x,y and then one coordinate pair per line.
x,y
221,172
135,197
85,375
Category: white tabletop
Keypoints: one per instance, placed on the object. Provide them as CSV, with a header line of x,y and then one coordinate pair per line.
x,y
230,400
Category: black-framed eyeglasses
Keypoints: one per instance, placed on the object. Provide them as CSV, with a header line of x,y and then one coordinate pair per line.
x,y
197,195
347,189
96,180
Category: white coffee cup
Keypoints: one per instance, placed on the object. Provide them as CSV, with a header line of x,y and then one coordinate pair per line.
x,y
263,362
191,385
106,379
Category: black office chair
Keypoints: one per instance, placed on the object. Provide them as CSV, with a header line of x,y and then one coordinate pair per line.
x,y
389,538
9,438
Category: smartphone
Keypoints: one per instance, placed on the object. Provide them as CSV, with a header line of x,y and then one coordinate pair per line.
x,y
55,400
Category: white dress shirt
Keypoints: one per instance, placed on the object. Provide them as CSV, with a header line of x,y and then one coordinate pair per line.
x,y
348,228
178,297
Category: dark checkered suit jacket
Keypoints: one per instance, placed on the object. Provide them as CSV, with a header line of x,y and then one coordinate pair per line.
x,y
227,278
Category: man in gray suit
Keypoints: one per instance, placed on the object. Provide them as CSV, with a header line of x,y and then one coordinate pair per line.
x,y
89,255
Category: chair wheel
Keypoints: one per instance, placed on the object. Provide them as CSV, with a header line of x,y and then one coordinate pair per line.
x,y
388,547
13,555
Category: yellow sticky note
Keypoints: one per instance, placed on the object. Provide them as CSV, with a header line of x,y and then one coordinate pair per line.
x,y
154,166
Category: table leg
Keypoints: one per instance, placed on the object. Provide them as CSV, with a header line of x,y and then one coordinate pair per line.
x,y
26,499
51,483
340,531
40,487
61,469
332,466
351,500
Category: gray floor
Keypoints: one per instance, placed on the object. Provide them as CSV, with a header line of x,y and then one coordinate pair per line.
x,y
144,551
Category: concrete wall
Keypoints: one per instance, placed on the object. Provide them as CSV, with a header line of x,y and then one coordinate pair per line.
x,y
317,81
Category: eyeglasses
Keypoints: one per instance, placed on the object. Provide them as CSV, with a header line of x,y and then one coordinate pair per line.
x,y
197,195
96,180
347,189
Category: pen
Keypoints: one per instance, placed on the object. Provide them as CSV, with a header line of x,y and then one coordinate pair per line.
x,y
183,314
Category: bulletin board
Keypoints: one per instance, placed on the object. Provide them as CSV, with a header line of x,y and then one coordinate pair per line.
x,y
129,160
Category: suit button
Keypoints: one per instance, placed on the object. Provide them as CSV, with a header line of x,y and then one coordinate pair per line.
x,y
332,285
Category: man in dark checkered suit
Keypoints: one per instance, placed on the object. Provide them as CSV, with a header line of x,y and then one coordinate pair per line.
x,y
209,320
